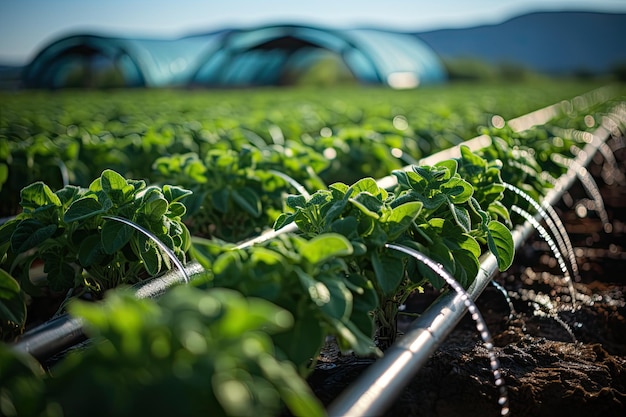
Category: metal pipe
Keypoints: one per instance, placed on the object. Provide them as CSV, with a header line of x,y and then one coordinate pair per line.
x,y
64,331
383,381
379,385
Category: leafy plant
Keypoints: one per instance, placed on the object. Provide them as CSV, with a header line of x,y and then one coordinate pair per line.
x,y
12,307
310,279
190,353
68,231
236,193
432,209
363,214
22,392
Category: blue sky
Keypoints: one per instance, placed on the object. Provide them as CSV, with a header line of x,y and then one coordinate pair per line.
x,y
28,25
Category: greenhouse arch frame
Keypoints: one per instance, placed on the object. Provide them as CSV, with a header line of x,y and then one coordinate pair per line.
x,y
263,56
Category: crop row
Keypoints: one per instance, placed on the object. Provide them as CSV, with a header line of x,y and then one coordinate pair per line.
x,y
317,138
244,334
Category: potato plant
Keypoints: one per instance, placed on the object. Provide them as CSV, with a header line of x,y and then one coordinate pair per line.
x,y
308,278
192,352
237,194
82,251
432,209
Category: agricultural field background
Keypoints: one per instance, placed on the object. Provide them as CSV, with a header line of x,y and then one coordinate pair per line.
x,y
108,188
347,132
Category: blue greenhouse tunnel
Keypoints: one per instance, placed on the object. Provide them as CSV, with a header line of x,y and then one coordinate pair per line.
x,y
264,56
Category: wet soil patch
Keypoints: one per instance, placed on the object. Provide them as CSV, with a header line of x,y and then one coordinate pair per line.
x,y
558,358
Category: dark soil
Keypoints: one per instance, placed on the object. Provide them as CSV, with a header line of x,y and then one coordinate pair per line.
x,y
557,359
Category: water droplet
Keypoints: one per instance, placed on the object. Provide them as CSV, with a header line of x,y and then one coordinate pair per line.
x,y
481,325
326,132
497,121
400,122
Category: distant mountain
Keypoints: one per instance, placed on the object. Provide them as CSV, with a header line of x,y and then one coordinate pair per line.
x,y
550,42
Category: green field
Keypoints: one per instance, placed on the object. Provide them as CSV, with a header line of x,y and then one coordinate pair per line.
x,y
106,189
348,133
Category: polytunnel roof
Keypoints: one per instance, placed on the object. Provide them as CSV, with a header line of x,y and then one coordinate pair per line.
x,y
259,56
236,58
141,62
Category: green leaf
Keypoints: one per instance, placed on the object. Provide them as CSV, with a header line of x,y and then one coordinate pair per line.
x,y
91,251
295,201
461,217
471,158
174,193
346,226
358,341
318,291
364,203
368,185
434,202
6,231
176,210
458,190
469,266
401,218
247,314
155,208
450,164
324,246
30,233
500,243
439,253
38,195
112,181
320,197
219,199
4,174
61,275
150,255
12,304
68,193
340,305
335,210
483,215
115,235
365,301
82,209
283,220
303,342
497,209
248,200
339,188
402,178
116,187
389,271
469,244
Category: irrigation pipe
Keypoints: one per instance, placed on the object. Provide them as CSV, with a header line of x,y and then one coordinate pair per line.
x,y
384,380
65,331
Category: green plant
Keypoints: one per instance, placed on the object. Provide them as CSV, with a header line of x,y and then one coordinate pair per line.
x,y
432,209
236,193
12,307
310,279
81,250
190,353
